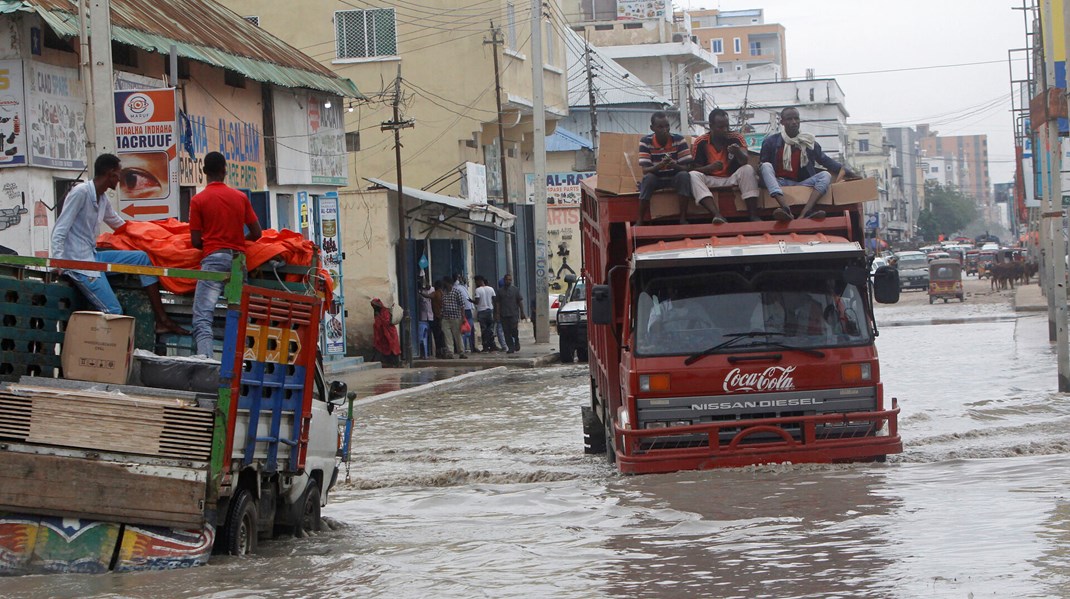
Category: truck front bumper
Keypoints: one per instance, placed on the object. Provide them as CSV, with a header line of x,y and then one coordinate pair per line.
x,y
814,440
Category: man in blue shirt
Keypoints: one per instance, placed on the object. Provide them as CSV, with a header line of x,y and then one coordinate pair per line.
x,y
790,158
74,237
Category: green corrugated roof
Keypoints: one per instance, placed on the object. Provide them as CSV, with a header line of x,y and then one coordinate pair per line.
x,y
201,30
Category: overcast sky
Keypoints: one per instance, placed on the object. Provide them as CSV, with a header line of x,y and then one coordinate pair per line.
x,y
835,37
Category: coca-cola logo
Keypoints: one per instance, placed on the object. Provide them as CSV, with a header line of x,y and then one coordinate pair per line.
x,y
774,378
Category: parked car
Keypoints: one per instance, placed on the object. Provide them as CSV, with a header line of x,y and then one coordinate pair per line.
x,y
572,322
913,270
877,263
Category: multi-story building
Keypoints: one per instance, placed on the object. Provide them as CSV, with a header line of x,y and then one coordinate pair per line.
x,y
871,155
643,38
444,56
744,44
971,151
755,109
904,145
945,170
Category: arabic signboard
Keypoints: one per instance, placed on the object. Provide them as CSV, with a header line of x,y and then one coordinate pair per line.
x,y
146,140
57,117
12,115
562,189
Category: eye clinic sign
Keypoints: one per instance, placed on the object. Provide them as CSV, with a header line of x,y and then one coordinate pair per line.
x,y
146,140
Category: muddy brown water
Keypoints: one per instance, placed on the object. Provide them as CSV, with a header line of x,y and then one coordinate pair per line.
x,y
483,491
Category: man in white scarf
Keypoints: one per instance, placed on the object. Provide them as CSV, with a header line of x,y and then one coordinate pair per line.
x,y
793,158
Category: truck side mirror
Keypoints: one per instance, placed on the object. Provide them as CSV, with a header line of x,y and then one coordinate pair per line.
x,y
886,285
601,305
337,392
570,279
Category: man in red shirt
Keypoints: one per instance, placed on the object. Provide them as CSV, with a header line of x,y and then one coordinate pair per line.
x,y
217,220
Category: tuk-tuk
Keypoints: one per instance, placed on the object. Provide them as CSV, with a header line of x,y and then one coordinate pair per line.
x,y
945,280
971,261
984,261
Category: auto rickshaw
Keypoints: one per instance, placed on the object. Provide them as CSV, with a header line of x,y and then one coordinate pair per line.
x,y
971,261
945,280
984,261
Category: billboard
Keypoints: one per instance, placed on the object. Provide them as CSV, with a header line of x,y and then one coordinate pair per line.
x,y
12,114
562,189
146,140
57,134
334,327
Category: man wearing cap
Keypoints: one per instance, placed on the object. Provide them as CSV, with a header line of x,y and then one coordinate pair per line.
x,y
217,220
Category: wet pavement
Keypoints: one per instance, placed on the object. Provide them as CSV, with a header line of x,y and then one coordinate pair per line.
x,y
481,489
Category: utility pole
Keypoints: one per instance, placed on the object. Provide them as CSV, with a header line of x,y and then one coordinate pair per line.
x,y
396,126
497,40
1052,218
101,67
85,64
541,314
590,96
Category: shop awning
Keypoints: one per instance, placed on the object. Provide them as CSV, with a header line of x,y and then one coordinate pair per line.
x,y
474,212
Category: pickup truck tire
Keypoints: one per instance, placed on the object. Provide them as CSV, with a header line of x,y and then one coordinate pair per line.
x,y
566,351
308,517
239,533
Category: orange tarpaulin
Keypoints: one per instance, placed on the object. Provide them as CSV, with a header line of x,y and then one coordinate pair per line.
x,y
167,242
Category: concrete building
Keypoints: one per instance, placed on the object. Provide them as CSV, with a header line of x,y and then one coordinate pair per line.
x,y
904,145
945,170
744,44
755,108
448,95
972,154
643,38
871,155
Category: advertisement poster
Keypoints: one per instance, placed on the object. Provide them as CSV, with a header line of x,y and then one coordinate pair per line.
x,y
12,117
146,140
334,329
327,141
303,214
57,117
233,130
629,10
563,237
562,189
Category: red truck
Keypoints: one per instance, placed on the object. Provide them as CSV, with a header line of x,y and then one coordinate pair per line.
x,y
733,344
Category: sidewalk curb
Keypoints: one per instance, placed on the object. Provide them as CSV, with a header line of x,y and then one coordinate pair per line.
x,y
426,387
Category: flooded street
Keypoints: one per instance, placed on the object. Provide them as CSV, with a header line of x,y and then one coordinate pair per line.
x,y
483,490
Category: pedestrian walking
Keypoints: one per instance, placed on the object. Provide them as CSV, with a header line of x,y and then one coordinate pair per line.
x,y
485,312
510,311
218,217
452,313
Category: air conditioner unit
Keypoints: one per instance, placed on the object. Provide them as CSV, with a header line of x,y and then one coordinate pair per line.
x,y
678,38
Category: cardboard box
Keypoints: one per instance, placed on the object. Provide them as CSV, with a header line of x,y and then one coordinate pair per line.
x,y
618,163
98,347
854,192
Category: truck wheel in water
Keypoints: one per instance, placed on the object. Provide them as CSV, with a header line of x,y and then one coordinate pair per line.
x,y
581,354
239,534
594,436
611,439
308,519
566,351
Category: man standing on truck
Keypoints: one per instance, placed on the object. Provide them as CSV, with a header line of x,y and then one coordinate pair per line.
x,y
74,237
217,220
720,160
791,158
665,159
510,308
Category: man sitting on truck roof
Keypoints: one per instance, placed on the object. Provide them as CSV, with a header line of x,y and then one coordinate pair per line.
x,y
74,237
720,160
791,158
665,159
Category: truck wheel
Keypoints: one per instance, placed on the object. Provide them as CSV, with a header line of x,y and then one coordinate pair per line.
x,y
239,534
308,518
930,299
594,436
566,351
581,354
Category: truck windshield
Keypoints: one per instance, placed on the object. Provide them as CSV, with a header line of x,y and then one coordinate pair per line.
x,y
681,313
579,293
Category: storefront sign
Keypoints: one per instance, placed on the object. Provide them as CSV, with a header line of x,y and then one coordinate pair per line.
x,y
562,189
233,130
326,141
12,115
334,330
303,213
146,140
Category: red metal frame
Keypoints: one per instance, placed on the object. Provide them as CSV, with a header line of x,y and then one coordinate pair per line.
x,y
717,454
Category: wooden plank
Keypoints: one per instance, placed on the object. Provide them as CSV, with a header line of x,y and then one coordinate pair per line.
x,y
98,490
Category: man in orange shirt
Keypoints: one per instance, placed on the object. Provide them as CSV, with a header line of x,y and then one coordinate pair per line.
x,y
720,160
217,220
